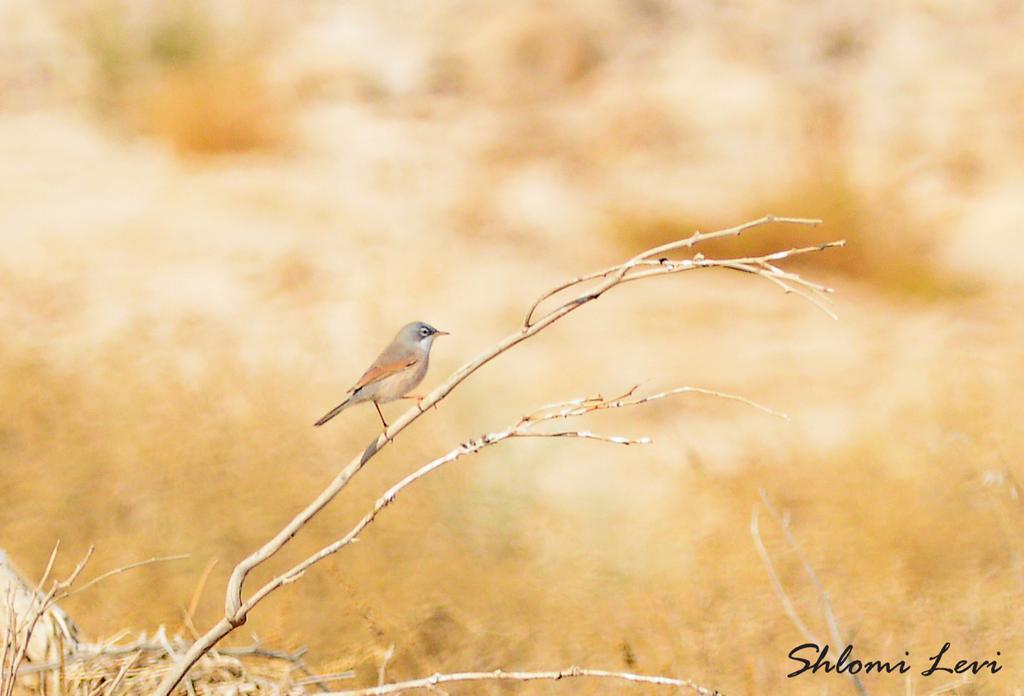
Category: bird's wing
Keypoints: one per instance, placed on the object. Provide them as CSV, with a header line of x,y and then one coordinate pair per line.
x,y
380,370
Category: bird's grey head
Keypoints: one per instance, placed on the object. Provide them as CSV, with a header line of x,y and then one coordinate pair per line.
x,y
420,333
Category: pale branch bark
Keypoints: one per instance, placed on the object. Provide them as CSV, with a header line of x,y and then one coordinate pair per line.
x,y
499,675
524,427
653,262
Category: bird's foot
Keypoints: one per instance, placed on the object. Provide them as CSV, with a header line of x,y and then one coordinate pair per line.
x,y
419,400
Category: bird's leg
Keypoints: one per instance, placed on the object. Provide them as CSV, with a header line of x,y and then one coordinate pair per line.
x,y
377,406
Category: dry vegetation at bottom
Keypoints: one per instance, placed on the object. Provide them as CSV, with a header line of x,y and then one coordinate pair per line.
x,y
191,433
912,521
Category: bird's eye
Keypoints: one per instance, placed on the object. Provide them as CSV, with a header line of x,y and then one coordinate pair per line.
x,y
424,331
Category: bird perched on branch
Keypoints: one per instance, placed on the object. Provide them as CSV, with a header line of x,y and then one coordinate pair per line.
x,y
397,370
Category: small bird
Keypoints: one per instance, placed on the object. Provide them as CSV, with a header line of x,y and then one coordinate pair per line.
x,y
397,370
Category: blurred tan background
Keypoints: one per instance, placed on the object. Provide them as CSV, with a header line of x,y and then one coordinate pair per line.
x,y
213,214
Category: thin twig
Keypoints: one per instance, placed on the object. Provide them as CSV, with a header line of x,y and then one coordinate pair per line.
x,y
780,590
200,586
197,594
125,568
654,256
318,679
499,675
579,407
835,634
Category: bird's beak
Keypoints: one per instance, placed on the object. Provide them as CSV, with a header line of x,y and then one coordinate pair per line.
x,y
442,333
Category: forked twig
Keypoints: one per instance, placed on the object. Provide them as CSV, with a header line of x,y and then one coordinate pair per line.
x,y
524,427
21,627
655,262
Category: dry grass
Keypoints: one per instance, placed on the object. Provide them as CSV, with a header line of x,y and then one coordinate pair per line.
x,y
533,555
184,75
135,668
213,108
172,329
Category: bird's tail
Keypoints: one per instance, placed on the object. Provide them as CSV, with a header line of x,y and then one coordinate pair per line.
x,y
334,411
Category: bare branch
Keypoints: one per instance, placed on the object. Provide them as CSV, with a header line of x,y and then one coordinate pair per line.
x,y
522,428
814,293
653,262
656,257
579,407
499,675
49,564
